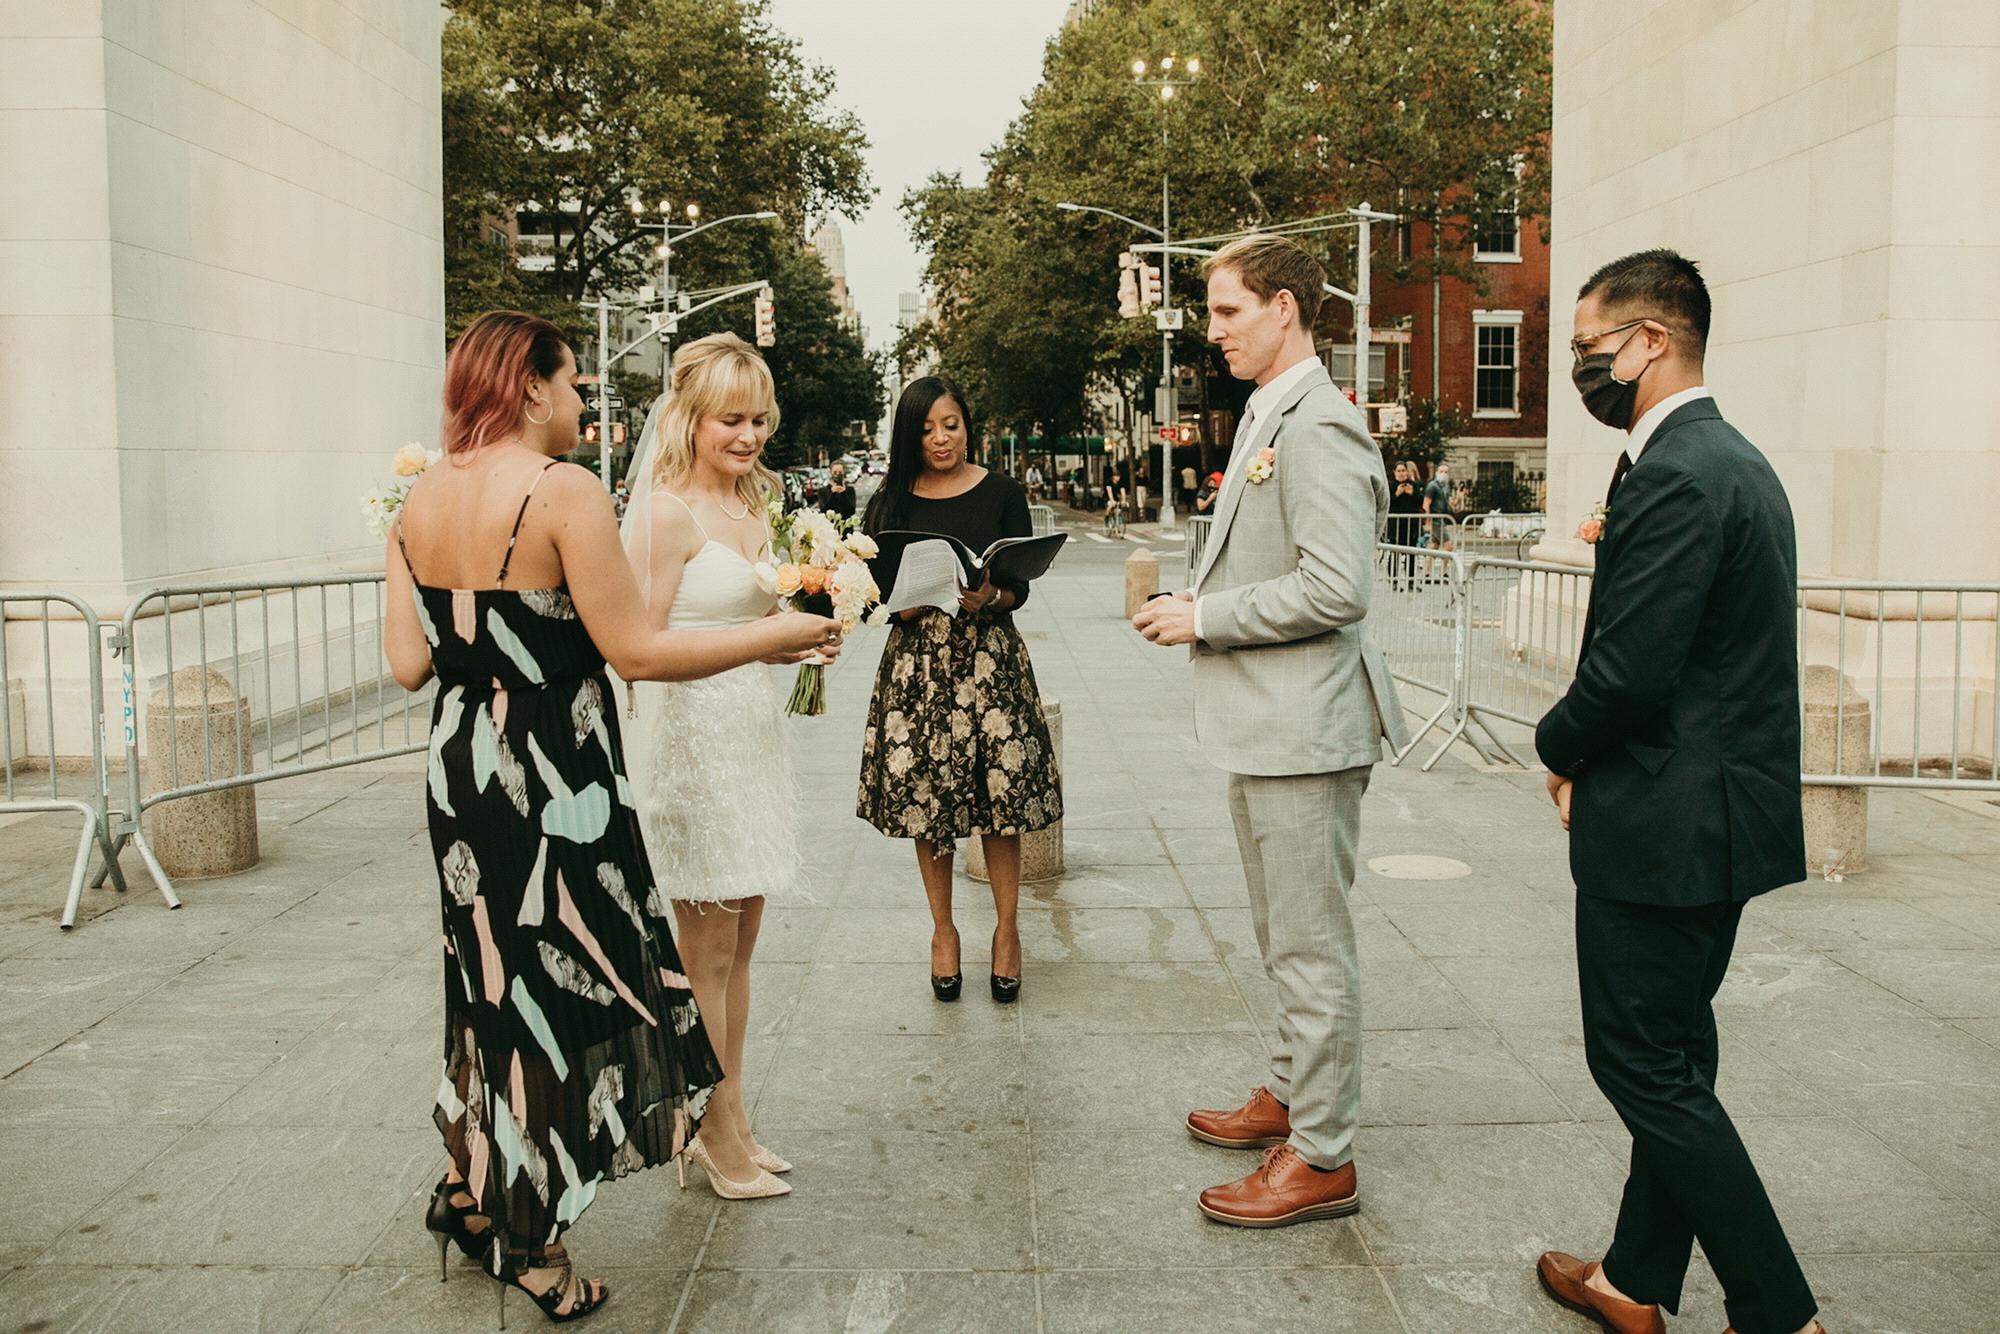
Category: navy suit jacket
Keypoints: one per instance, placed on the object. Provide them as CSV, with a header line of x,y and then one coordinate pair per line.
x,y
1681,728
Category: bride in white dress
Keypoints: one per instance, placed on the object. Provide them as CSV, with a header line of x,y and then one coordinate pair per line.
x,y
709,759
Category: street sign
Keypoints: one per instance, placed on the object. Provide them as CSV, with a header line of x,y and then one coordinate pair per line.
x,y
1168,320
1389,336
1165,403
1166,433
1394,418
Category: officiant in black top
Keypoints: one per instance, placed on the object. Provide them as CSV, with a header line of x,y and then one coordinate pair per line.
x,y
956,745
1674,762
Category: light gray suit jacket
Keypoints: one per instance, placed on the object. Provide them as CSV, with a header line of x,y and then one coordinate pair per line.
x,y
1285,680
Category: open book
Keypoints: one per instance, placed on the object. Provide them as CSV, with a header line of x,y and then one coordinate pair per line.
x,y
932,569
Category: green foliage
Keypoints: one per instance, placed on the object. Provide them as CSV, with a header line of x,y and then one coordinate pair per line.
x,y
1432,429
827,380
569,109
1436,109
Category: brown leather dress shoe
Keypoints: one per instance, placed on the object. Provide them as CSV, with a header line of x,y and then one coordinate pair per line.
x,y
1817,1328
1261,1123
1284,1189
1566,1278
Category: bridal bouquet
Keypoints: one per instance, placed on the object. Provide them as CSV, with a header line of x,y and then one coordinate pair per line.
x,y
380,505
819,559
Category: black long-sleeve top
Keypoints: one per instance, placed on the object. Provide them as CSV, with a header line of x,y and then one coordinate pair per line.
x,y
994,508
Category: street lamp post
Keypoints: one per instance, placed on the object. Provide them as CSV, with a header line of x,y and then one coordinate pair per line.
x,y
1172,75
668,229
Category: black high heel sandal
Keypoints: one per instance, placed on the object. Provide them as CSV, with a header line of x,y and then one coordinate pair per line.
x,y
448,1223
1006,990
947,988
589,1293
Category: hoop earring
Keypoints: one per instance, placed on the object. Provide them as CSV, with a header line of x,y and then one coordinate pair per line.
x,y
525,412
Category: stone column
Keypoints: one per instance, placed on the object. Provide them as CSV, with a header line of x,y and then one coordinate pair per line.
x,y
205,736
1041,851
1837,730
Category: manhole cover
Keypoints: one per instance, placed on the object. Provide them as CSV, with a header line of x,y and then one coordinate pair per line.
x,y
1419,868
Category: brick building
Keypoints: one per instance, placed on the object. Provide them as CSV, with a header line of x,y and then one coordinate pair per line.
x,y
1482,348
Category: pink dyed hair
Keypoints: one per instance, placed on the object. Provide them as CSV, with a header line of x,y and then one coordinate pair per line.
x,y
486,375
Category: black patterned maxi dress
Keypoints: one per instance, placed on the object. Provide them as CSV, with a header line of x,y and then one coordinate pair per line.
x,y
573,1049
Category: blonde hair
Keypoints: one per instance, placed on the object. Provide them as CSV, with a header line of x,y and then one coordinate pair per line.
x,y
713,376
1268,265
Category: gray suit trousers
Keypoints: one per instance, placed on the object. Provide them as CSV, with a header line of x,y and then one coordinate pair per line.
x,y
1298,835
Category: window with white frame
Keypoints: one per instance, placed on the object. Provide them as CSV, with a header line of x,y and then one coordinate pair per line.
x,y
1496,237
1340,365
1496,367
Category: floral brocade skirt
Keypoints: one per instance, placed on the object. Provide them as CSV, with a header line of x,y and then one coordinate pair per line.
x,y
956,742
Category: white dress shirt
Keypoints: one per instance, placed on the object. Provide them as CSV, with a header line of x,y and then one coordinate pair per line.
x,y
1642,430
1262,409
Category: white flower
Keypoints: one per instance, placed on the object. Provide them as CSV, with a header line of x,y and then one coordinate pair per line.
x,y
767,576
816,539
863,546
879,616
411,459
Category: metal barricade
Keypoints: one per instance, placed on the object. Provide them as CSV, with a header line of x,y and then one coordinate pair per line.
x,y
308,654
1925,657
83,657
1041,520
1498,536
1197,542
1523,629
1416,615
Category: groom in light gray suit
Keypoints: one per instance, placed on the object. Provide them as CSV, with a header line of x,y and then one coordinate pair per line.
x,y
1293,702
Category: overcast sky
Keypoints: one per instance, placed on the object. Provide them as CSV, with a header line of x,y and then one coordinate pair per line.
x,y
935,83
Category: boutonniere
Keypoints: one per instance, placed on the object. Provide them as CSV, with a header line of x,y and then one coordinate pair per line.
x,y
1263,466
1591,530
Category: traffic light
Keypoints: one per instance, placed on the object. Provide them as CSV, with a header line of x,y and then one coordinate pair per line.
x,y
767,320
1187,435
1149,286
1128,285
590,434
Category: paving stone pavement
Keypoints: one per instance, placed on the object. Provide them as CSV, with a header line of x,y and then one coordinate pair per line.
x,y
219,1119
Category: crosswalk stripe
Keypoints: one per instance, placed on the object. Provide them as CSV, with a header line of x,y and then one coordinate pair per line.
x,y
1098,537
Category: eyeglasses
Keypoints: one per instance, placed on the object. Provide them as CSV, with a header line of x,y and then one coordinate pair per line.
x,y
1579,347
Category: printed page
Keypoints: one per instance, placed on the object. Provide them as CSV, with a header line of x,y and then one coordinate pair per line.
x,y
927,577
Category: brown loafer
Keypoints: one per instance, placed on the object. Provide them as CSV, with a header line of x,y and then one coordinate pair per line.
x,y
1283,1190
1817,1328
1261,1123
1566,1278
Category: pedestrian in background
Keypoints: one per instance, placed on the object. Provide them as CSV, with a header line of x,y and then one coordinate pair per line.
x,y
839,495
1406,508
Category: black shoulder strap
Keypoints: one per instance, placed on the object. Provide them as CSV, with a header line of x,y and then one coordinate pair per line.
x,y
515,536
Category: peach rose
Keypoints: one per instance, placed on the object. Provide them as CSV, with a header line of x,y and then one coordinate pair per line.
x,y
812,580
789,579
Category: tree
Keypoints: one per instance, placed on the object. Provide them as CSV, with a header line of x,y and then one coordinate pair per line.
x,y
827,380
571,109
1433,108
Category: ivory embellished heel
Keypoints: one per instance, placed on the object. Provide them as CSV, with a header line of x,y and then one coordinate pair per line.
x,y
763,1186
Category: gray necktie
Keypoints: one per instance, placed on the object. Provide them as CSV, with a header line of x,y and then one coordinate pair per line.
x,y
1242,440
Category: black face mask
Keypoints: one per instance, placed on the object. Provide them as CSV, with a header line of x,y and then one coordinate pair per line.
x,y
1605,396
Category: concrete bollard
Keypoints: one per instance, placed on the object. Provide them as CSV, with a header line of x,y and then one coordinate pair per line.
x,y
1142,579
1041,851
214,833
1836,817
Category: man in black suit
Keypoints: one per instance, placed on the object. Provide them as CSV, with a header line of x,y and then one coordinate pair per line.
x,y
1674,762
